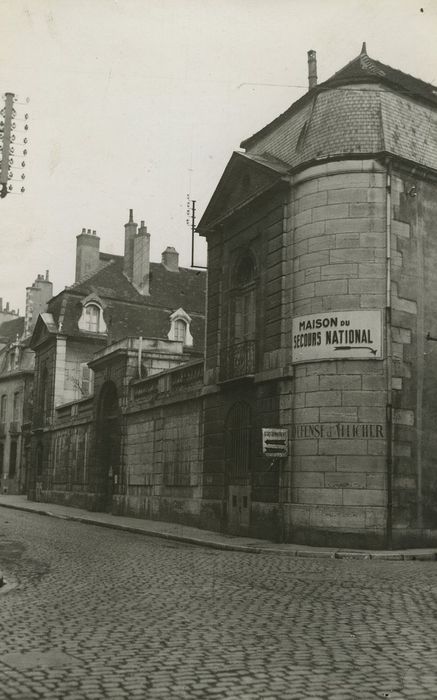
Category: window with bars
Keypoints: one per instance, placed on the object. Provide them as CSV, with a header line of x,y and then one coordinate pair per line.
x,y
177,461
12,459
16,409
3,408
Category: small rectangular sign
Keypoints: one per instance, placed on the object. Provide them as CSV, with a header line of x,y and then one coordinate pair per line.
x,y
338,335
275,442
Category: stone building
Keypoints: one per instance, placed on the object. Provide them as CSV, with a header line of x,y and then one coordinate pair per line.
x,y
7,316
124,318
16,387
320,324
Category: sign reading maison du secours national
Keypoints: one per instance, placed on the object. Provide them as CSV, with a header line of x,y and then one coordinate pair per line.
x,y
335,335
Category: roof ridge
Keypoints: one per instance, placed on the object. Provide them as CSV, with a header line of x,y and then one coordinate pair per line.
x,y
408,75
90,275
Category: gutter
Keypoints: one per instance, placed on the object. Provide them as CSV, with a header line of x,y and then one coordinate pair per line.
x,y
389,406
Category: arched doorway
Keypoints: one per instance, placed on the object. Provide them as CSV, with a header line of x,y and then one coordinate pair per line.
x,y
108,445
238,442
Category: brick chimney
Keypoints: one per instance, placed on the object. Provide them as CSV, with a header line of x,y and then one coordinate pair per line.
x,y
37,298
312,69
87,254
170,259
130,230
141,260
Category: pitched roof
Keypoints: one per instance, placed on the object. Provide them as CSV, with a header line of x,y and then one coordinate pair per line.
x,y
246,176
127,312
10,329
361,69
364,67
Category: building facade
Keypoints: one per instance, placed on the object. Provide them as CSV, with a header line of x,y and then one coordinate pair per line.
x,y
320,324
124,319
323,323
16,388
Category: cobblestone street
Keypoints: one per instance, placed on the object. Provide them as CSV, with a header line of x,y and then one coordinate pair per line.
x,y
98,613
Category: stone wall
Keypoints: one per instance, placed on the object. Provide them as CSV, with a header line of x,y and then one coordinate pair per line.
x,y
337,478
414,373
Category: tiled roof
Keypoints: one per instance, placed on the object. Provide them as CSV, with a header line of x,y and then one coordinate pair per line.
x,y
129,313
364,67
10,329
366,107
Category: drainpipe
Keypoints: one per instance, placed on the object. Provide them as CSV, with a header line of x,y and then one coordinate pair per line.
x,y
389,408
140,348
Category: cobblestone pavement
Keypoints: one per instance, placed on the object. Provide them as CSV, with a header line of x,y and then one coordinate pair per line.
x,y
98,613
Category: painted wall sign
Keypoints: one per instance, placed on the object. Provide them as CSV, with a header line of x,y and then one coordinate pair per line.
x,y
363,431
355,335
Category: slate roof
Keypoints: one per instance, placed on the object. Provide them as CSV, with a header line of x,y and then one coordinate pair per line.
x,y
365,108
10,329
126,311
364,67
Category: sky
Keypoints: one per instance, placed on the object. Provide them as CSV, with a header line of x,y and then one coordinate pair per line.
x,y
135,104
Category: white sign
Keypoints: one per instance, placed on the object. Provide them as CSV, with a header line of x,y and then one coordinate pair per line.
x,y
275,442
355,335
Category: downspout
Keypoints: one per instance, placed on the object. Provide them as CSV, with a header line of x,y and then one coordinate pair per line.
x,y
389,407
140,349
284,473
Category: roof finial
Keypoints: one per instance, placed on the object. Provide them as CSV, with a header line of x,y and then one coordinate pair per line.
x,y
364,49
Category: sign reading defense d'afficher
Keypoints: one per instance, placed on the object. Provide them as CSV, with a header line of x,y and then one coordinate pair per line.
x,y
336,335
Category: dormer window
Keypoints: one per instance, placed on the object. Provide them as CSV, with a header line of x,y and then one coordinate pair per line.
x,y
180,328
91,319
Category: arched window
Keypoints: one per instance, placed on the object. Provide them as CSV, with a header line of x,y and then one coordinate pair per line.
x,y
92,314
180,330
91,319
180,327
238,356
244,309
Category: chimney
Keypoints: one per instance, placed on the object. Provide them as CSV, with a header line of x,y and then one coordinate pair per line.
x,y
170,259
37,298
7,306
312,69
141,261
87,254
130,230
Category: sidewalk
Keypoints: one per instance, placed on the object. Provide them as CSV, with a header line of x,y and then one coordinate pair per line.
x,y
205,538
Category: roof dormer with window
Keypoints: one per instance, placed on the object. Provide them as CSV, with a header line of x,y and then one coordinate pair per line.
x,y
91,319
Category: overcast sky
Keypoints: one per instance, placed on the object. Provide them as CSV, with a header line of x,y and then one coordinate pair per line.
x,y
135,103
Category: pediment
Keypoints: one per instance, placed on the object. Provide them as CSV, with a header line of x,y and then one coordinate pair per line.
x,y
44,328
245,177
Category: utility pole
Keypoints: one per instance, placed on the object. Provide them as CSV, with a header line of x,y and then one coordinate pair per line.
x,y
191,221
11,151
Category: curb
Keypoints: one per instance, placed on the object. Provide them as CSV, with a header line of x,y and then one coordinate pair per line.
x,y
409,555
